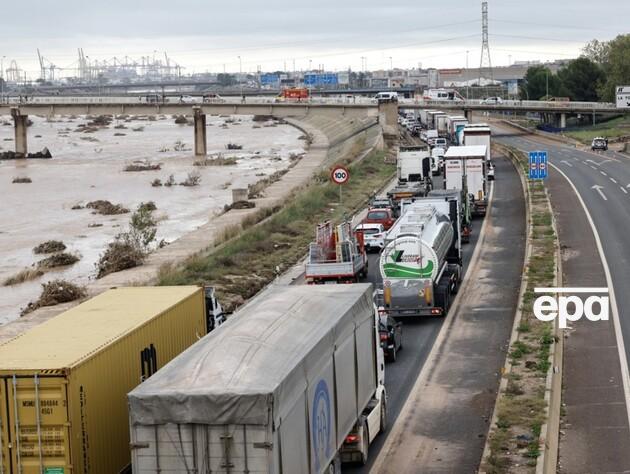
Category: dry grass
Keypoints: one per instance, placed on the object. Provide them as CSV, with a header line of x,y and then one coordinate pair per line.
x,y
216,161
27,274
142,166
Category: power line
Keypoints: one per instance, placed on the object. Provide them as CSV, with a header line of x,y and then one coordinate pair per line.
x,y
537,38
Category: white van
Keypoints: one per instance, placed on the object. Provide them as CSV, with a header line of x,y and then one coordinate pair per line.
x,y
442,94
387,97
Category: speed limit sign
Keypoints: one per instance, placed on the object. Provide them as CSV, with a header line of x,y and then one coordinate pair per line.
x,y
339,175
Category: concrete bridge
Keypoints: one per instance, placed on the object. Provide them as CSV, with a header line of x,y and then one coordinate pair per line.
x,y
351,108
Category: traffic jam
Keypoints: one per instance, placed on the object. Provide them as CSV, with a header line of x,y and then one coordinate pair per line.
x,y
415,228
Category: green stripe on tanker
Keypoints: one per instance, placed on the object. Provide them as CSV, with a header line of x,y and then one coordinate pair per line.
x,y
408,257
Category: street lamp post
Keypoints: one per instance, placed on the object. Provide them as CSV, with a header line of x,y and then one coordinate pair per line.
x,y
391,64
240,75
547,82
466,78
2,77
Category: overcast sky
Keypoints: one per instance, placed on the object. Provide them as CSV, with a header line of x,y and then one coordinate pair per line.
x,y
210,35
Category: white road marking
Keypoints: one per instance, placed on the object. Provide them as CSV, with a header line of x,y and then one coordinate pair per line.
x,y
598,188
613,301
623,189
603,173
567,163
592,167
613,180
571,290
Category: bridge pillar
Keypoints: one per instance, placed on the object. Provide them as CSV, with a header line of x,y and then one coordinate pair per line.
x,y
563,121
200,132
468,115
20,123
388,119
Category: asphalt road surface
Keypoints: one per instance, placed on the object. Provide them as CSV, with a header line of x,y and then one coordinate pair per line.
x,y
596,435
418,338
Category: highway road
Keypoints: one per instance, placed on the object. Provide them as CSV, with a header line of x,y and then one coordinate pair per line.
x,y
595,393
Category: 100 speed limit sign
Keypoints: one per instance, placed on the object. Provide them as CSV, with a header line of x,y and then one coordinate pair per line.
x,y
339,175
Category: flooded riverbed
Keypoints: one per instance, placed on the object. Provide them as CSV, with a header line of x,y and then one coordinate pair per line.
x,y
89,166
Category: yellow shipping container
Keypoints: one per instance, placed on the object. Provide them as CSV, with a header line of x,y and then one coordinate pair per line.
x,y
64,383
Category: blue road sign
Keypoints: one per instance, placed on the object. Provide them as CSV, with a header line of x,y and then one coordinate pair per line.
x,y
542,165
538,166
533,165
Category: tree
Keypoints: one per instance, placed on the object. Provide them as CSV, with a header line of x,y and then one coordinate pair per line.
x,y
536,82
616,67
581,79
596,51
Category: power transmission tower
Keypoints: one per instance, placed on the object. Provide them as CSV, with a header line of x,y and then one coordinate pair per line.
x,y
486,64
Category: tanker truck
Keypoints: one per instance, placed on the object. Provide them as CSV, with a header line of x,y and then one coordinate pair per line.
x,y
421,262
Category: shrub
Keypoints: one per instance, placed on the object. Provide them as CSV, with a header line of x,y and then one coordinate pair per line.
x,y
50,246
56,292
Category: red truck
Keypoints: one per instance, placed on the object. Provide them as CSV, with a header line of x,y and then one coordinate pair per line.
x,y
298,93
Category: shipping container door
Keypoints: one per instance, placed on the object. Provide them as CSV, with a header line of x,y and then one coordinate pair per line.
x,y
38,425
4,429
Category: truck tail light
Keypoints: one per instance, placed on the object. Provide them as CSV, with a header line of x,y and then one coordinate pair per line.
x,y
436,311
387,295
352,438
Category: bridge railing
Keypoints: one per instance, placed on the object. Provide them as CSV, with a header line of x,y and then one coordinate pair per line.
x,y
509,104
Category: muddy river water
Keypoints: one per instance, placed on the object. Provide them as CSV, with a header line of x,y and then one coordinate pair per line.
x,y
89,166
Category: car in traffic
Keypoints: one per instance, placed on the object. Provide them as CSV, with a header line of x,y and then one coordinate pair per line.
x,y
490,173
390,333
492,101
380,216
386,97
373,236
186,99
212,98
599,143
440,143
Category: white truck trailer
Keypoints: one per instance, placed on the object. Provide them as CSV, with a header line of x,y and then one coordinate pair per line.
x,y
478,134
291,383
465,170
442,125
456,126
418,278
413,164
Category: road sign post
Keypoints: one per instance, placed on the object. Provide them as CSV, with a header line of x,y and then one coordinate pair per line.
x,y
340,175
538,166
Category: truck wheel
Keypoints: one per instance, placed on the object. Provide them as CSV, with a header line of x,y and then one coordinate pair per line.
x,y
383,413
393,356
365,444
335,465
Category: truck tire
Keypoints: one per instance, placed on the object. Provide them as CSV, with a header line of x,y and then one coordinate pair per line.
x,y
383,413
441,295
365,444
335,465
